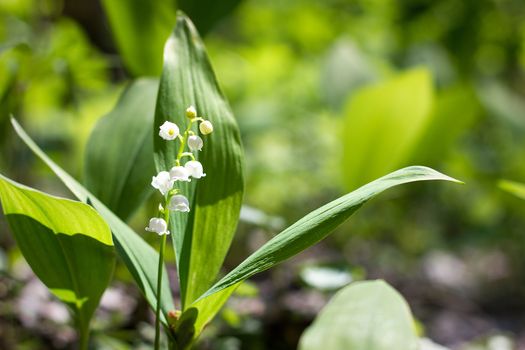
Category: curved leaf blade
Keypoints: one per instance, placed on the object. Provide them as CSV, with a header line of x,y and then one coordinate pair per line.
x,y
203,237
516,188
138,256
317,225
66,243
119,153
368,315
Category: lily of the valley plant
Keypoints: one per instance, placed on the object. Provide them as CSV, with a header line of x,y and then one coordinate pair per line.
x,y
199,210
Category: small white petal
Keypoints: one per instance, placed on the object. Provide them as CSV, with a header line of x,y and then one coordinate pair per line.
x,y
195,143
162,182
158,225
195,169
169,131
179,203
180,173
206,127
191,112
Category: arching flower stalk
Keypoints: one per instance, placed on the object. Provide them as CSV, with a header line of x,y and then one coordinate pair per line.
x,y
166,182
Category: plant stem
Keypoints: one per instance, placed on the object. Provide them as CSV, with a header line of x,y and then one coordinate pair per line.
x,y
159,289
83,337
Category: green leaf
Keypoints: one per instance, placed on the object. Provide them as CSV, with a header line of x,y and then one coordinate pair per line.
x,y
367,315
119,154
66,243
140,29
202,238
383,124
206,13
140,259
304,233
516,188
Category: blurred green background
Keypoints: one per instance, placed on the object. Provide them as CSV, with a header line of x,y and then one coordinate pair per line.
x,y
329,95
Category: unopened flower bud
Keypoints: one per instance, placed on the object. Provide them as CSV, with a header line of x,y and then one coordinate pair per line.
x,y
206,127
179,203
191,112
195,143
174,314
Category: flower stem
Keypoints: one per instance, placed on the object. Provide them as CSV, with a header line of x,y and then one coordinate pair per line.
x,y
159,289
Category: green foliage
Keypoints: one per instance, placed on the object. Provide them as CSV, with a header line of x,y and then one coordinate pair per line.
x,y
304,233
139,257
205,13
66,243
383,124
367,315
516,188
202,238
119,154
140,29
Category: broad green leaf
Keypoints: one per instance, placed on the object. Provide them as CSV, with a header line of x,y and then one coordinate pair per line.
x,y
119,153
304,233
66,243
140,258
140,29
455,110
516,188
367,315
202,237
382,125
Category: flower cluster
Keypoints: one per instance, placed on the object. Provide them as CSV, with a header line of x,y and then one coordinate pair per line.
x,y
165,180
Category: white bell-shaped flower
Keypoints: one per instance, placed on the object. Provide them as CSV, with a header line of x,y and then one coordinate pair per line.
x,y
179,203
158,225
195,143
162,182
195,169
191,112
180,173
169,131
206,127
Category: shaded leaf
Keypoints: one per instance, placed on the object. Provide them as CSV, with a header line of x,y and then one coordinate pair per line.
x,y
202,238
140,258
140,29
119,153
66,243
367,315
206,13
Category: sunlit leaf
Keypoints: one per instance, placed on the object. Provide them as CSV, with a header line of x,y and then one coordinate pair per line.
x,y
304,233
66,243
140,29
516,188
382,125
367,315
119,153
202,237
140,258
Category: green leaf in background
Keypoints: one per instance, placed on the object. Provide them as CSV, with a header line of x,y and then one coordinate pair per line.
x,y
119,154
66,243
455,110
205,13
304,233
140,258
382,125
367,315
202,238
516,188
140,29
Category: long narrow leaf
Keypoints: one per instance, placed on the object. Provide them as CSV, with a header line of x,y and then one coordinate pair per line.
x,y
304,233
203,237
140,258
